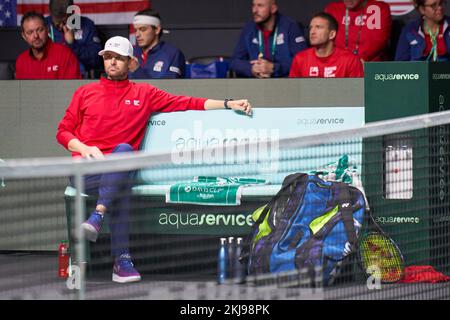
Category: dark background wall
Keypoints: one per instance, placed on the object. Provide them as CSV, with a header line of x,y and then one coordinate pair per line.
x,y
198,27
232,12
201,27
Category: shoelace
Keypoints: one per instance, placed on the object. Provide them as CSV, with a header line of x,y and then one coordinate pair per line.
x,y
126,260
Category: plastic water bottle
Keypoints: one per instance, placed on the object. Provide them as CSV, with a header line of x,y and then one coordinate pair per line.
x,y
231,255
2,182
63,259
238,267
222,262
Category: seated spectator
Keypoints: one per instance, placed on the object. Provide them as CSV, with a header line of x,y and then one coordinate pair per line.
x,y
82,39
157,59
426,38
324,59
368,30
267,44
44,59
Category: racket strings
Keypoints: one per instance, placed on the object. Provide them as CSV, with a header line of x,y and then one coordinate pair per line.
x,y
380,253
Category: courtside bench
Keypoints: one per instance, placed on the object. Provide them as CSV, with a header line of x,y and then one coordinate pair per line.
x,y
171,238
177,230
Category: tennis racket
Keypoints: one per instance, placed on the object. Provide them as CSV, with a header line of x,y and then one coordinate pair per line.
x,y
379,255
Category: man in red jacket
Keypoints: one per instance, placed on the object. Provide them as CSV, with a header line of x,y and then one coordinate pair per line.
x,y
111,116
364,27
324,59
44,59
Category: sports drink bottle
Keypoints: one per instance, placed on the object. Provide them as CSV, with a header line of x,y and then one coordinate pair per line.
x,y
63,259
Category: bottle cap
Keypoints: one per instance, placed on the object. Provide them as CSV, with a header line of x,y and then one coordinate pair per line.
x,y
230,239
223,240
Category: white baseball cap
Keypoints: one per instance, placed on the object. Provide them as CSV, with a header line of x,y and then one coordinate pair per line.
x,y
120,45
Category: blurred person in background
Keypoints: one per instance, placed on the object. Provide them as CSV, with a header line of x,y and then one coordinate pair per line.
x,y
427,38
324,59
76,32
44,59
157,59
267,44
364,27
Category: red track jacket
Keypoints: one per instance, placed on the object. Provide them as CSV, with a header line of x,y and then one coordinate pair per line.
x,y
372,22
106,113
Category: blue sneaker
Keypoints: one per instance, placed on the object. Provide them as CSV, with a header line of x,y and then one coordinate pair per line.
x,y
124,271
91,227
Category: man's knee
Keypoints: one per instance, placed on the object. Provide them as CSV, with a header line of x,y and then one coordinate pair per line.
x,y
123,147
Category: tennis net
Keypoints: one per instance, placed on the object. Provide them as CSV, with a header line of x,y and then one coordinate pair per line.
x,y
182,203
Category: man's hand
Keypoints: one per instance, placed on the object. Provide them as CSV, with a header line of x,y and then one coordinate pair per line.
x,y
262,68
86,151
68,34
133,65
241,105
91,152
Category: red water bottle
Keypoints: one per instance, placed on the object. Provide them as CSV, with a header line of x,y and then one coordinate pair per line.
x,y
63,259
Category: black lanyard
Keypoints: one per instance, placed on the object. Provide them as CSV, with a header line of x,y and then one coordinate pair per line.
x,y
347,24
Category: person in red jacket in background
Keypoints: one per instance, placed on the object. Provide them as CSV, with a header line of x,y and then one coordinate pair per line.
x,y
324,59
45,59
111,116
364,27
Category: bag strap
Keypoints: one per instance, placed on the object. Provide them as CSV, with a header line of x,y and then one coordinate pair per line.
x,y
287,182
345,206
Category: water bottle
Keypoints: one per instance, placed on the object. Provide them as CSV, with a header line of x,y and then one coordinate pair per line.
x,y
2,182
222,262
238,267
63,259
231,256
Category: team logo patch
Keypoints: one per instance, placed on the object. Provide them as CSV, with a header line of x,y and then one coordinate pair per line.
x,y
400,7
78,34
330,72
280,39
314,71
175,69
158,66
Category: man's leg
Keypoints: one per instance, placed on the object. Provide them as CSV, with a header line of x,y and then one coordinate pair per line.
x,y
111,187
114,195
123,270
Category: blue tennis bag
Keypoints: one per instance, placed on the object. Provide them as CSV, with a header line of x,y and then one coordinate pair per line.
x,y
216,69
309,223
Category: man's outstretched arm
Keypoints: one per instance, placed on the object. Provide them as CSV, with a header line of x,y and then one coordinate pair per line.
x,y
237,105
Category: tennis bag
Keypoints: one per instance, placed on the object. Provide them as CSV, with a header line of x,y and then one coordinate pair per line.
x,y
309,223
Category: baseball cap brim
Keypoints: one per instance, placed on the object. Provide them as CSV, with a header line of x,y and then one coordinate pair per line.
x,y
102,52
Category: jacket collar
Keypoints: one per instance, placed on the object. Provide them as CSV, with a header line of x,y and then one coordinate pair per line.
x,y
114,83
420,23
